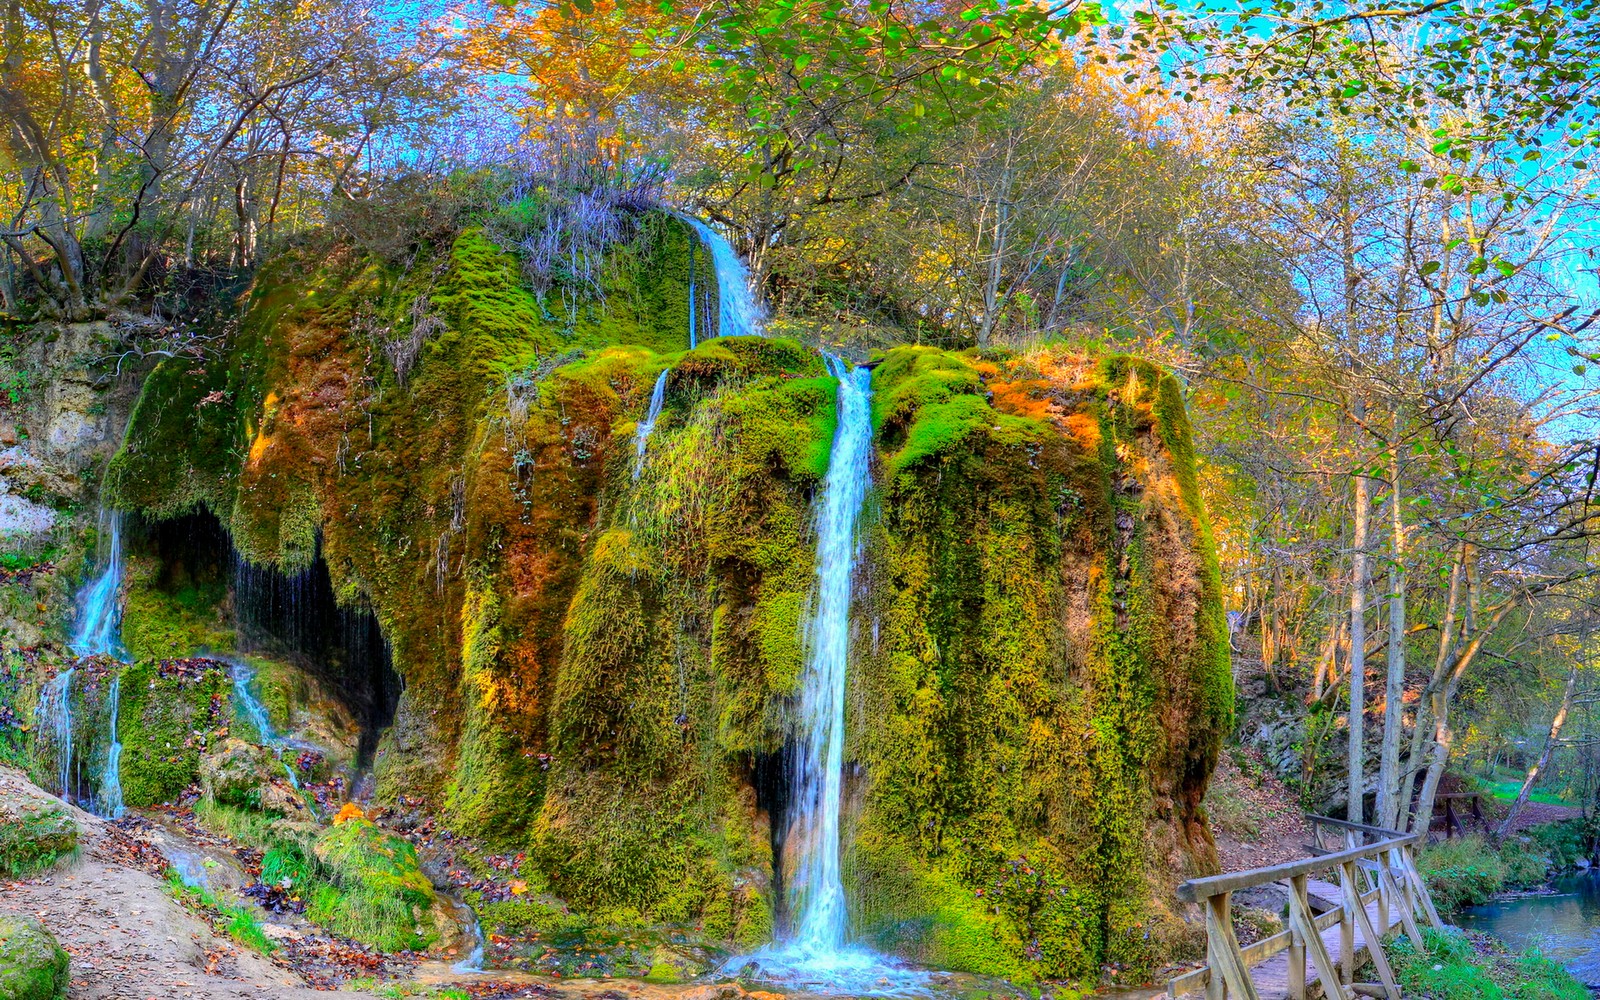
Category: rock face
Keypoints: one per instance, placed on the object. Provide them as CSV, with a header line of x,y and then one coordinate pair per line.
x,y
601,656
67,422
32,965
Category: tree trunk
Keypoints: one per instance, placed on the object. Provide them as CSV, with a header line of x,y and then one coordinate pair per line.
x,y
1358,643
1560,720
1389,804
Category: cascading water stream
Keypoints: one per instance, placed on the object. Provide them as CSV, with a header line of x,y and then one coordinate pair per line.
x,y
244,696
474,961
739,312
817,892
817,953
109,804
658,395
54,715
100,619
99,633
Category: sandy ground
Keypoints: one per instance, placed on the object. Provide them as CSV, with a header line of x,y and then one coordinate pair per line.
x,y
128,938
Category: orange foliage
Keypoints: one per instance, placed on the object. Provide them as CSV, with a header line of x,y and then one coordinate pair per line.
x,y
348,812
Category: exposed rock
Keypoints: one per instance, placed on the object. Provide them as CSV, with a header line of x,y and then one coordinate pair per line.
x,y
595,663
32,965
235,773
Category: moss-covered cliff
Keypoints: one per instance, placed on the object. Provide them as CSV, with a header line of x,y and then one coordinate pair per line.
x,y
600,655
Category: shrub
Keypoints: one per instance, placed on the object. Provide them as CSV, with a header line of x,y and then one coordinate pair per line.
x,y
376,893
34,837
1461,872
1564,843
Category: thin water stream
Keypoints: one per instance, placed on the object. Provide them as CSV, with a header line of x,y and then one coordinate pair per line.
x,y
54,715
647,426
109,802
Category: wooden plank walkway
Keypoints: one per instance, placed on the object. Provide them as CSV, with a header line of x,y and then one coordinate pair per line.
x,y
1333,927
1272,976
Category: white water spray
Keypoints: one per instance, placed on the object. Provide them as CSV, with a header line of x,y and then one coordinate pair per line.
x,y
816,890
739,312
817,954
54,715
99,630
647,426
109,803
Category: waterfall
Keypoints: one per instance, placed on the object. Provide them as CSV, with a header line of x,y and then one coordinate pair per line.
x,y
244,697
99,619
739,310
474,961
648,425
817,892
54,715
816,954
109,803
99,633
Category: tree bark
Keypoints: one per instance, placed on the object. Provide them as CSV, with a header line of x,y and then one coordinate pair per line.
x,y
1389,801
1506,825
1358,642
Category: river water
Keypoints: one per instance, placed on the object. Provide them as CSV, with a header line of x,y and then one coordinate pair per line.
x,y
1565,925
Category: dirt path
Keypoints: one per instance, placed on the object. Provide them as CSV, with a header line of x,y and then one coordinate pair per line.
x,y
128,938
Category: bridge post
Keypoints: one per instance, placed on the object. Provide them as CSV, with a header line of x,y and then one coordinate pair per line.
x,y
1300,916
1223,954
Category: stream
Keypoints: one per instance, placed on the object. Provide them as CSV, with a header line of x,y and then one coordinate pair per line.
x,y
1565,924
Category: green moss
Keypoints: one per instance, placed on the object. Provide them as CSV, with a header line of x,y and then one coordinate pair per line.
x,y
597,652
377,892
172,621
32,965
33,838
171,720
1034,629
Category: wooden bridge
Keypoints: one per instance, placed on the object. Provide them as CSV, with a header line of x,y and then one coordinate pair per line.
x,y
1375,887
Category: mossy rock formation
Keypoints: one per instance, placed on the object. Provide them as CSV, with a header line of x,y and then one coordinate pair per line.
x,y
601,657
34,836
32,965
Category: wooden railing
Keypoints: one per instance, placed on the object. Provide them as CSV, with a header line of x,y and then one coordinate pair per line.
x,y
1452,822
1378,885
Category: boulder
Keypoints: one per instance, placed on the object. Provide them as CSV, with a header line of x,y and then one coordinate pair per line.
x,y
34,835
32,964
235,773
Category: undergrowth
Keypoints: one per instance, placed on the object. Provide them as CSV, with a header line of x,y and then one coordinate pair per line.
x,y
1451,967
1469,870
237,920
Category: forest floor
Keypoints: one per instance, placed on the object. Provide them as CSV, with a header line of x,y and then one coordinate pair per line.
x,y
115,913
128,937
1255,819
